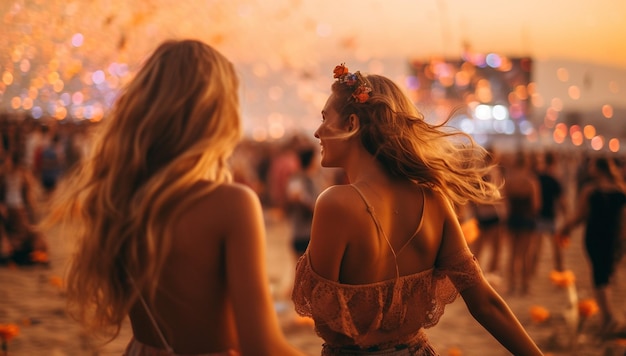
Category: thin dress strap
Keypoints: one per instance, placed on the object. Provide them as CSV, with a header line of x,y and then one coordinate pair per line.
x,y
419,226
370,210
167,346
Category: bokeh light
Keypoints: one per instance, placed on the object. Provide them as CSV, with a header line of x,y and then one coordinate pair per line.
x,y
562,74
557,104
614,145
577,138
574,92
560,132
589,131
597,143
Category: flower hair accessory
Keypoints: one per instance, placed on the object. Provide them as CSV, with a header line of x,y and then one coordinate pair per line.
x,y
355,81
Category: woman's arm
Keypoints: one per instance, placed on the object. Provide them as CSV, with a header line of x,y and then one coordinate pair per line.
x,y
536,194
491,311
248,283
581,212
482,301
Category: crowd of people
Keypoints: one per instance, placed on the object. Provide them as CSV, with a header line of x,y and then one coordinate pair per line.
x,y
34,156
166,209
546,195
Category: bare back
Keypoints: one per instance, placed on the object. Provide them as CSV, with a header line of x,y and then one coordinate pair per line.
x,y
400,211
217,239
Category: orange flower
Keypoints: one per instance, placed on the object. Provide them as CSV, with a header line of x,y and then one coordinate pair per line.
x,y
56,281
8,331
362,93
587,307
362,97
340,70
539,314
454,351
39,256
562,279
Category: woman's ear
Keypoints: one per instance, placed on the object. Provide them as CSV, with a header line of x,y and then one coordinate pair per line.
x,y
353,123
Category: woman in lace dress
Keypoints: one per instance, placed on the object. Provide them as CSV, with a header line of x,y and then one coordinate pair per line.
x,y
387,252
163,234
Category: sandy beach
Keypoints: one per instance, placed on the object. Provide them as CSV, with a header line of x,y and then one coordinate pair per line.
x,y
32,298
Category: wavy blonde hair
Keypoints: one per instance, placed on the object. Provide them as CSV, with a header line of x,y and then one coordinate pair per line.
x,y
395,132
175,124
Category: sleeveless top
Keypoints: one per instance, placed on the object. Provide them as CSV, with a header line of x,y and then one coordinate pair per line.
x,y
386,313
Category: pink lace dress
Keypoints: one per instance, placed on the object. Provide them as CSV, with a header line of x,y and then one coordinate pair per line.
x,y
382,318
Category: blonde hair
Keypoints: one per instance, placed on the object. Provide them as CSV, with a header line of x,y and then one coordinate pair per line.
x,y
175,124
395,132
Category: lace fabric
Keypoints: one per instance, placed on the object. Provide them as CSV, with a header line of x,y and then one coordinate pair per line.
x,y
418,346
385,313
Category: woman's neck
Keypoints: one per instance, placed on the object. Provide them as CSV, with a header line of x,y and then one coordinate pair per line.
x,y
373,174
364,168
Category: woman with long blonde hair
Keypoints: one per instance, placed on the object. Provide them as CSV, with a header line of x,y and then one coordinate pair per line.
x,y
387,252
164,236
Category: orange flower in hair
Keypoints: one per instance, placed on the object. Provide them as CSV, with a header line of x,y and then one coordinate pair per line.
x,y
361,94
355,81
340,70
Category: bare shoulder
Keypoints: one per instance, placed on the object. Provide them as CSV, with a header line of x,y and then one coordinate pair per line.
x,y
335,220
334,207
219,206
338,203
336,196
435,201
227,195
